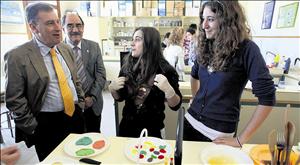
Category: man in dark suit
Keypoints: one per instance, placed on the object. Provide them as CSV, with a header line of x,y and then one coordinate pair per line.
x,y
90,67
42,90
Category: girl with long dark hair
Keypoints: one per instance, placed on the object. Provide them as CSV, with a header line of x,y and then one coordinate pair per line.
x,y
145,82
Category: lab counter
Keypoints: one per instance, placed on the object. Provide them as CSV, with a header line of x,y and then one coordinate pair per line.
x,y
283,96
248,105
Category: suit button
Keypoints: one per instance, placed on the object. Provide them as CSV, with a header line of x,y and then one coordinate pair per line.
x,y
202,105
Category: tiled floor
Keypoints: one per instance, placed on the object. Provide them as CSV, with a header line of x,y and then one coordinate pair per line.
x,y
108,127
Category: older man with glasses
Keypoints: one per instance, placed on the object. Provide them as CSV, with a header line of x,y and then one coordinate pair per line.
x,y
90,67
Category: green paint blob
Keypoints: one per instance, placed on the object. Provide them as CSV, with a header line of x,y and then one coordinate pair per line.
x,y
84,141
85,152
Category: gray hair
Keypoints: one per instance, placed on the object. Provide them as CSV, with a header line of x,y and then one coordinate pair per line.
x,y
63,19
33,9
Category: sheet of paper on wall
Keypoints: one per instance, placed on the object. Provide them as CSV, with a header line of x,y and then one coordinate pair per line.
x,y
28,155
108,47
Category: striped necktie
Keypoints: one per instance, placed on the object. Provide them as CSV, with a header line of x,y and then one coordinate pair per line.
x,y
80,72
65,90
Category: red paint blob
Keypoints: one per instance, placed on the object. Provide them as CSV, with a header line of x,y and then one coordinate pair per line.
x,y
99,144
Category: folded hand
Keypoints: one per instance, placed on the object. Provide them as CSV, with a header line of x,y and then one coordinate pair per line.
x,y
231,141
117,84
163,84
10,155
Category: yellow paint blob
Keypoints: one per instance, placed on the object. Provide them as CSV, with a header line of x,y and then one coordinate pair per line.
x,y
134,151
218,160
57,163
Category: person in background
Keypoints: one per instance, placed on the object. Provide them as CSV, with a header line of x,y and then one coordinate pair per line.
x,y
145,82
165,42
174,52
193,26
193,45
10,155
187,41
90,68
226,60
42,90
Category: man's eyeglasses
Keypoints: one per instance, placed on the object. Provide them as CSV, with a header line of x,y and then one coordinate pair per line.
x,y
72,26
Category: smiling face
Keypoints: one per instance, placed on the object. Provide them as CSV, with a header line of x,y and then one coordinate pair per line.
x,y
210,23
74,28
137,44
188,36
47,28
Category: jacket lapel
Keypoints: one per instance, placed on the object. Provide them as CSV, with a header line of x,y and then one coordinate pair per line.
x,y
37,59
84,52
64,53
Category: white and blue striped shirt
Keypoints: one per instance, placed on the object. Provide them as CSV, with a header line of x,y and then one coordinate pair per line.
x,y
53,100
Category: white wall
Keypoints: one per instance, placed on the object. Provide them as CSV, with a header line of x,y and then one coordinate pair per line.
x,y
273,39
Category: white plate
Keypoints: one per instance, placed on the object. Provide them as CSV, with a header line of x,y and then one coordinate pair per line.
x,y
71,148
223,154
150,150
60,160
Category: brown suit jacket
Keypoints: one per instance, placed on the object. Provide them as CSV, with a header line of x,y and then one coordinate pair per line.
x,y
27,80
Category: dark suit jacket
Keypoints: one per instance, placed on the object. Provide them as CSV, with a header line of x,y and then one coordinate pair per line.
x,y
96,76
27,80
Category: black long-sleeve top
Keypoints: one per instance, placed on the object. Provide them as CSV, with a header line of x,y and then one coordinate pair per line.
x,y
151,113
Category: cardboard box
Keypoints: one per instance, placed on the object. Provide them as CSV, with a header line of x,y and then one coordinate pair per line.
x,y
147,4
154,11
138,8
170,5
179,4
170,14
170,8
178,12
128,8
162,10
154,4
146,12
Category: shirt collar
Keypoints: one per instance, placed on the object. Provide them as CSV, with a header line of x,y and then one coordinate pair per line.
x,y
72,46
44,49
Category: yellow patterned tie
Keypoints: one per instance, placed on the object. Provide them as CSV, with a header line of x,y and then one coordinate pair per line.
x,y
63,85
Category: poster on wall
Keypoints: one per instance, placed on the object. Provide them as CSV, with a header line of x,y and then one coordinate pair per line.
x,y
268,15
108,47
287,15
11,12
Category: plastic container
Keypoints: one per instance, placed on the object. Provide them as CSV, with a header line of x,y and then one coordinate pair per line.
x,y
287,66
282,62
276,60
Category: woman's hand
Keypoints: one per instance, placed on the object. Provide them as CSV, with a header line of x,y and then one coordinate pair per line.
x,y
117,84
191,101
163,84
10,155
231,141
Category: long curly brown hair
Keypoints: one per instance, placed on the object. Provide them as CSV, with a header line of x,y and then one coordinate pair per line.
x,y
176,36
233,29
